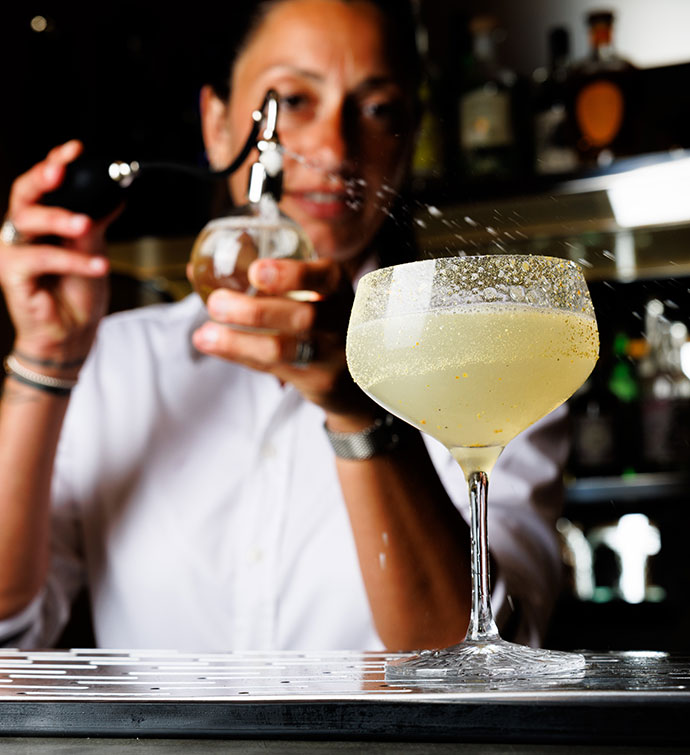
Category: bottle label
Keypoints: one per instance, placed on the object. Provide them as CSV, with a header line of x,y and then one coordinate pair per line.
x,y
551,155
666,432
485,119
427,159
594,442
599,111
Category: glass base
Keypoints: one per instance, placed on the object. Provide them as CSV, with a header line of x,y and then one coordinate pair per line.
x,y
483,661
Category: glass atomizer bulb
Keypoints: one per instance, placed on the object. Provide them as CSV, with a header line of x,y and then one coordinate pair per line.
x,y
227,246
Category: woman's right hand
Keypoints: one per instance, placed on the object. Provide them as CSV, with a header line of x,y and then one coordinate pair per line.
x,y
56,291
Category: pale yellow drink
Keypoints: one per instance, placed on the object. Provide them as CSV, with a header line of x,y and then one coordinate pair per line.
x,y
474,376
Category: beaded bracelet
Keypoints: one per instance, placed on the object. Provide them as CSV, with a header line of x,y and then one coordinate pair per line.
x,y
56,386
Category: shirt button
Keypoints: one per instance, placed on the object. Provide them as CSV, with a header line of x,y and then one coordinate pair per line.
x,y
256,555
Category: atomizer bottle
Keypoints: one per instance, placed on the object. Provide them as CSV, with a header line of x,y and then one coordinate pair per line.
x,y
227,246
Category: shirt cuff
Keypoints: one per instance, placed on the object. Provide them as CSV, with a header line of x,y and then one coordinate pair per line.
x,y
13,628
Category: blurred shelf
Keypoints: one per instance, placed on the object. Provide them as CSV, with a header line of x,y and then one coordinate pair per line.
x,y
573,217
640,488
148,270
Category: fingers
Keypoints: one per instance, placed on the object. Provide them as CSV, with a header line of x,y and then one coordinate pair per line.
x,y
263,313
261,351
43,177
34,220
261,332
37,220
39,260
276,277
269,332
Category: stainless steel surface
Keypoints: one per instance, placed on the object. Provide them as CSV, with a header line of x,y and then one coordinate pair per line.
x,y
72,746
633,697
84,674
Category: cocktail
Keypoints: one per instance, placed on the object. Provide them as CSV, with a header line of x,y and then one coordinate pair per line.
x,y
473,350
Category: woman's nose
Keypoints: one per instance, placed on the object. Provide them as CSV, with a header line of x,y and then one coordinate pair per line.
x,y
330,145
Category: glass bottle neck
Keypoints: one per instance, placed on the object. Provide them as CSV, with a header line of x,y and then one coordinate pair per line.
x,y
600,40
483,48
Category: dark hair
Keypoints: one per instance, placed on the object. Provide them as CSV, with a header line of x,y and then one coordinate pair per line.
x,y
233,30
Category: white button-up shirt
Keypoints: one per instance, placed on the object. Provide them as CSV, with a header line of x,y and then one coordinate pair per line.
x,y
199,502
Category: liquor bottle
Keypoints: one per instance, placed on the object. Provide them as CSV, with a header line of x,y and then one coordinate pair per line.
x,y
491,111
680,392
605,424
427,160
665,401
554,148
655,402
602,97
624,385
592,430
428,164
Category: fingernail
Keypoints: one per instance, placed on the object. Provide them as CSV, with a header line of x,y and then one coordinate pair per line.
x,y
219,305
207,335
70,147
263,274
98,264
50,173
79,223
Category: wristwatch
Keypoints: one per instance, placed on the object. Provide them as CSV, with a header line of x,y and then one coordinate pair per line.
x,y
381,437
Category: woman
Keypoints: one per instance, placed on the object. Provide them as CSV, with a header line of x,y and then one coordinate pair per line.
x,y
188,479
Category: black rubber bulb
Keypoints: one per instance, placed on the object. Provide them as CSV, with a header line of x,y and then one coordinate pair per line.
x,y
88,188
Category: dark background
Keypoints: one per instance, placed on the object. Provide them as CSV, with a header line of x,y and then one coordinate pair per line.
x,y
125,78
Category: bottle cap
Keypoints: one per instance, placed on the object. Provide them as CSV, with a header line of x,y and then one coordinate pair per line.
x,y
483,24
600,17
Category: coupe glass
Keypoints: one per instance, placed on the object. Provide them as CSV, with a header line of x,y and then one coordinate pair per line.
x,y
473,350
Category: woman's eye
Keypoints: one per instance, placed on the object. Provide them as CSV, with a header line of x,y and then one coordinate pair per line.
x,y
294,101
385,112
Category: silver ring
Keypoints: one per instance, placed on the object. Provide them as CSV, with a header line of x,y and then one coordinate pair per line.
x,y
9,235
304,353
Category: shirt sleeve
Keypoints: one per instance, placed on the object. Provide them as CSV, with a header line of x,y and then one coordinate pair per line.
x,y
525,500
40,624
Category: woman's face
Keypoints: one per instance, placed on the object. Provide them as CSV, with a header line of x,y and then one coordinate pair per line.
x,y
345,121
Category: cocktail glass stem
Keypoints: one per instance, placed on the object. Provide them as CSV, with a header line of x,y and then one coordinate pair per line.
x,y
482,626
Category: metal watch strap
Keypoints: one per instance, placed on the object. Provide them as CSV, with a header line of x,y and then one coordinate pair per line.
x,y
381,437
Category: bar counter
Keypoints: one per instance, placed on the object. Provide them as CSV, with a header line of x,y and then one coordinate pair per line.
x,y
633,698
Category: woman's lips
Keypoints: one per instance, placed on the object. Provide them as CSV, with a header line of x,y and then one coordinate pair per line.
x,y
324,204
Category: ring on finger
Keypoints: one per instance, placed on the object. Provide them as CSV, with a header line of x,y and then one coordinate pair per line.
x,y
9,234
305,351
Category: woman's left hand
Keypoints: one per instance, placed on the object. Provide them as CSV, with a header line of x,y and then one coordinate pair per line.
x,y
286,330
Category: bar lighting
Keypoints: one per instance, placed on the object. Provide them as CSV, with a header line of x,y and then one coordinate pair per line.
x,y
39,24
685,359
652,194
633,539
